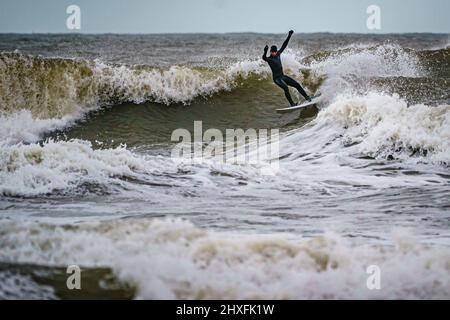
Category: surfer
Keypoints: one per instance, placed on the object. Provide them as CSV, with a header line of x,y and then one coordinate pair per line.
x,y
279,77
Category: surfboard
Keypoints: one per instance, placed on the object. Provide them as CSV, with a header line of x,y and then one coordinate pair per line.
x,y
314,100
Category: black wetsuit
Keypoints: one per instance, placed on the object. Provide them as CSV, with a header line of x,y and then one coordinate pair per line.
x,y
279,78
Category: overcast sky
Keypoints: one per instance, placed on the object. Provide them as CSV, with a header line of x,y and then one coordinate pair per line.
x,y
178,16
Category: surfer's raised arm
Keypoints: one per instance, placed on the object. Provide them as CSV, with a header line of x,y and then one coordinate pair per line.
x,y
265,53
285,43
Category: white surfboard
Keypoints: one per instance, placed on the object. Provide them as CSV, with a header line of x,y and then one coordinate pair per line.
x,y
314,100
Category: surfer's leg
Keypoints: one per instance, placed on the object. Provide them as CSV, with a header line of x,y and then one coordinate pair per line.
x,y
279,82
291,82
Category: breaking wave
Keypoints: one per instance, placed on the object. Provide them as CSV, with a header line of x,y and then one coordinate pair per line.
x,y
38,95
56,87
172,259
385,126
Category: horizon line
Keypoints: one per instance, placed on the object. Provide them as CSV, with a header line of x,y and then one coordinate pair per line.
x,y
222,33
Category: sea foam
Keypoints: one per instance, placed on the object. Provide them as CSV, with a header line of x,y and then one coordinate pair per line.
x,y
168,259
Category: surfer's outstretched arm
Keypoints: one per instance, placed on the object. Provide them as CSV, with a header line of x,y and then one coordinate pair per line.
x,y
265,53
285,43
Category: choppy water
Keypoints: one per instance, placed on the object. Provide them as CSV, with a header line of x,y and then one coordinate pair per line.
x,y
86,176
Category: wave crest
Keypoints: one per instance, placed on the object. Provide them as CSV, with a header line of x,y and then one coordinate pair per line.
x,y
53,87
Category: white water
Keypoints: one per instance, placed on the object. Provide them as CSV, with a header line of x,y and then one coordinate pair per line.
x,y
167,259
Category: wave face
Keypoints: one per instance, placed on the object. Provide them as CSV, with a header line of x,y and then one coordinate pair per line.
x,y
85,137
56,92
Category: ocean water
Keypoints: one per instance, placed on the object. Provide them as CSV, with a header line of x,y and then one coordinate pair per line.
x,y
87,178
